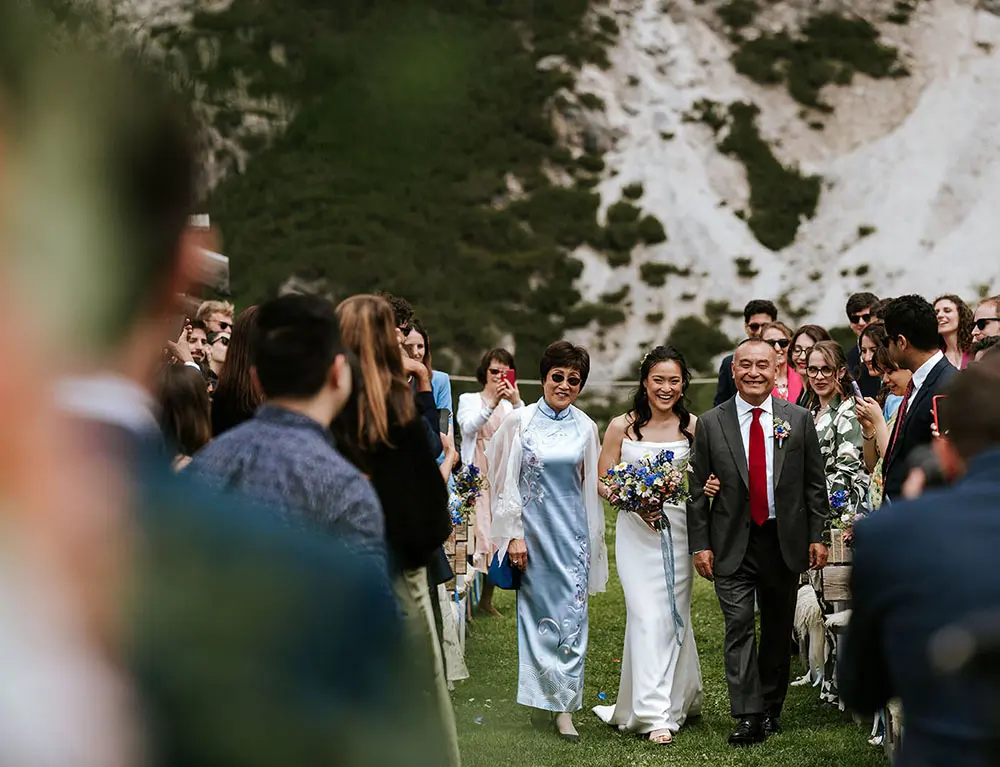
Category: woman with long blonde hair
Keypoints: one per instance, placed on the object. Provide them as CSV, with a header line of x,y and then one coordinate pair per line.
x,y
381,433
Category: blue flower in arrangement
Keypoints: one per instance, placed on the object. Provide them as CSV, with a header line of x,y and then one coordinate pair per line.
x,y
647,485
782,430
843,517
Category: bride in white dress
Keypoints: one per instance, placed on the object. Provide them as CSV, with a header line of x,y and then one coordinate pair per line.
x,y
661,679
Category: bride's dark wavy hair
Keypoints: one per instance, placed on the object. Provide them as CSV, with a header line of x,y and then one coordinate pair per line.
x,y
640,400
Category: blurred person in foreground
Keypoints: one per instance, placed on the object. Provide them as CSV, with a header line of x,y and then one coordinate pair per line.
x,y
248,643
914,575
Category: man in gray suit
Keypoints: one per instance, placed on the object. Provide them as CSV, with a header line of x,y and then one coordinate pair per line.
x,y
763,528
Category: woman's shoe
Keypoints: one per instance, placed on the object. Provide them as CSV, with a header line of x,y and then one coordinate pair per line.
x,y
565,728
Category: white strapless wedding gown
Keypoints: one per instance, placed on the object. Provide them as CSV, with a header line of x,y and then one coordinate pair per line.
x,y
661,679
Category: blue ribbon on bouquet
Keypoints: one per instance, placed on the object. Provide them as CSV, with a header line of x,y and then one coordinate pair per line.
x,y
669,573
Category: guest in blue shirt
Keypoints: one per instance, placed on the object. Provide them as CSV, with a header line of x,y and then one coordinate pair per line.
x,y
285,456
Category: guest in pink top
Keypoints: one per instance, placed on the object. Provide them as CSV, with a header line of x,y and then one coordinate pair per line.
x,y
479,416
787,383
955,324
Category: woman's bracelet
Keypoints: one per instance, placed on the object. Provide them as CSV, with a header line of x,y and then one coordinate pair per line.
x,y
867,437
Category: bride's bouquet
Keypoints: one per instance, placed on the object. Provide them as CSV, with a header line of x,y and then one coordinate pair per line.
x,y
644,487
467,485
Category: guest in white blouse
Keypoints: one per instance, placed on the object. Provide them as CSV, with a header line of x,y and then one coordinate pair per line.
x,y
479,416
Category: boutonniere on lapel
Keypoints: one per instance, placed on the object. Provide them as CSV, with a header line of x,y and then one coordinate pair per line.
x,y
782,430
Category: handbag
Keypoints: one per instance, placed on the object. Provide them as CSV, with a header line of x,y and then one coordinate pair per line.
x,y
502,574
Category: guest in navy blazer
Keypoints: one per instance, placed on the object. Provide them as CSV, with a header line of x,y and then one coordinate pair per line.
x,y
912,330
921,566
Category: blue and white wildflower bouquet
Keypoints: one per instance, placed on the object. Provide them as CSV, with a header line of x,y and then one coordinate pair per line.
x,y
468,484
843,517
646,486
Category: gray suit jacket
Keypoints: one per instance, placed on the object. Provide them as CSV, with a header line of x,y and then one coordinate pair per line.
x,y
801,504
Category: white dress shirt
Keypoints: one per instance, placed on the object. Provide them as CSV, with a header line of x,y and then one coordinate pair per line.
x,y
744,412
920,375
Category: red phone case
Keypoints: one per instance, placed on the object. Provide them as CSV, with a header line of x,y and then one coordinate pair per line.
x,y
511,377
934,410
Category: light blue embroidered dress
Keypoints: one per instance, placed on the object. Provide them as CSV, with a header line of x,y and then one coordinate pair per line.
x,y
560,518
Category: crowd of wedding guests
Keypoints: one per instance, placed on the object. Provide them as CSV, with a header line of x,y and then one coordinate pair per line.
x,y
236,558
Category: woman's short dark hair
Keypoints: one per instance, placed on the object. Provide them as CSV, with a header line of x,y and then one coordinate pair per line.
x,y
563,354
501,356
185,409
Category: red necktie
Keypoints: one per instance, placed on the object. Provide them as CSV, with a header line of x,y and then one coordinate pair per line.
x,y
758,471
901,417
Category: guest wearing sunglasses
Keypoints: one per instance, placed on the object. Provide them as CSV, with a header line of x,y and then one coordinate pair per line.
x,y
549,521
787,383
860,312
479,416
217,316
218,347
986,322
756,315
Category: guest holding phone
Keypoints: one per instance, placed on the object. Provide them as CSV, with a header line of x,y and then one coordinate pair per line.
x,y
479,416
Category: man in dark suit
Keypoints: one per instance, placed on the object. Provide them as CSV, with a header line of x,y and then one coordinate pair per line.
x,y
763,528
911,327
922,567
756,315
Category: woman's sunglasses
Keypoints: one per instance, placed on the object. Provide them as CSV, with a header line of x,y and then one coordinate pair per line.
x,y
573,381
777,343
224,339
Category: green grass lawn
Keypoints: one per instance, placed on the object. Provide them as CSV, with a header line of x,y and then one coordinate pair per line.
x,y
494,731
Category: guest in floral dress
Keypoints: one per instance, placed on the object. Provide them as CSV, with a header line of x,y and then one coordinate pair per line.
x,y
548,519
833,404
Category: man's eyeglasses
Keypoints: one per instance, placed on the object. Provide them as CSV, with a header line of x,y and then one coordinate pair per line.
x,y
824,372
224,339
573,381
982,323
857,318
777,343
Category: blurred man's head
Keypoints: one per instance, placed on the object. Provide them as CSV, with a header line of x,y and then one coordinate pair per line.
x,y
757,314
987,319
860,310
299,358
911,329
969,416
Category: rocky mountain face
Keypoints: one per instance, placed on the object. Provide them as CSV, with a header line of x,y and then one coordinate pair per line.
x,y
625,171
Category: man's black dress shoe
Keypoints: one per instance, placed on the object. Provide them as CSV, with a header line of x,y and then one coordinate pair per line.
x,y
747,733
772,726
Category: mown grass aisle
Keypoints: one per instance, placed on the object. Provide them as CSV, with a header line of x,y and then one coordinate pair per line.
x,y
494,730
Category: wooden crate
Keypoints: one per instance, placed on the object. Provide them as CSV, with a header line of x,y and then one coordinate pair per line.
x,y
457,548
840,552
836,580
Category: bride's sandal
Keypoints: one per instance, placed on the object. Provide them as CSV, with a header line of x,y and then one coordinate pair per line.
x,y
661,737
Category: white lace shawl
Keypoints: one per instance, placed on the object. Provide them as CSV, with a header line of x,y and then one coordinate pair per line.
x,y
505,488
